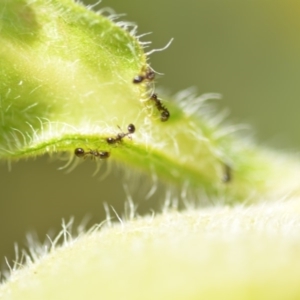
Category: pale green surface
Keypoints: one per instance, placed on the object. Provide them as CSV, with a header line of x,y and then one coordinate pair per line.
x,y
217,253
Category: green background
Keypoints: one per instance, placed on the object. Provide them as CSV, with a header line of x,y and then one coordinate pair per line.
x,y
246,50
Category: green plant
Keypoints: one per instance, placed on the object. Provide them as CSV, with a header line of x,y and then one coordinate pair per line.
x,y
67,82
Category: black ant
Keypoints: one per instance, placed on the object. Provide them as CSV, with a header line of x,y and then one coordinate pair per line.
x,y
120,136
227,176
79,152
164,116
148,75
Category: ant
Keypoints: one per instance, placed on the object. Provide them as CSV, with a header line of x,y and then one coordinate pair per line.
x,y
120,136
79,152
227,176
164,116
148,75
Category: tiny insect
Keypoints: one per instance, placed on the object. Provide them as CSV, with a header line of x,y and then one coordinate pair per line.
x,y
164,115
120,136
79,152
149,75
227,176
138,79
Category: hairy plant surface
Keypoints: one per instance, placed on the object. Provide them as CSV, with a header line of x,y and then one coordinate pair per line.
x,y
66,82
213,253
74,82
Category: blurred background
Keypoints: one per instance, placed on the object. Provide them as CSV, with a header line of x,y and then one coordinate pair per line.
x,y
249,51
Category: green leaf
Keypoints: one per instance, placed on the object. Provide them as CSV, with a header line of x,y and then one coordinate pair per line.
x,y
65,73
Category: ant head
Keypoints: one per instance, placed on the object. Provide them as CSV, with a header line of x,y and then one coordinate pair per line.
x,y
79,152
153,96
131,128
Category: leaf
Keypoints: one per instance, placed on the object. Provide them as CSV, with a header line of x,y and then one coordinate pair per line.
x,y
67,82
